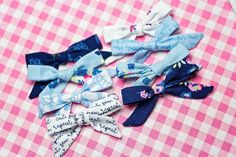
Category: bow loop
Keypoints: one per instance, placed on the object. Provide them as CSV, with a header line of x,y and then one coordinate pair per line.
x,y
150,22
65,129
65,75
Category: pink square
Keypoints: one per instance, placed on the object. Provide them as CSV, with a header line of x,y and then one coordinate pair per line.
x,y
116,12
23,132
38,139
170,141
216,123
43,16
177,125
65,8
210,49
36,30
94,20
210,139
7,89
221,20
219,70
184,22
229,92
200,28
22,24
73,28
57,22
203,154
154,134
15,73
233,76
7,52
186,148
15,148
30,117
184,109
1,32
107,151
212,2
14,4
7,18
1,104
30,154
225,55
206,14
15,110
92,144
223,108
231,41
161,118
216,35
175,3
138,4
232,130
22,95
2,141
51,36
8,126
131,143
147,150
226,146
29,10
131,18
14,38
200,116
190,8
79,14
193,132
29,44
101,6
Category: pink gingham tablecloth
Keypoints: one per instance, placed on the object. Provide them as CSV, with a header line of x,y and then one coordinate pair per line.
x,y
176,127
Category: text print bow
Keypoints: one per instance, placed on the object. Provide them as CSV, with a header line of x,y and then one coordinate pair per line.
x,y
62,102
148,26
65,129
72,54
147,73
174,84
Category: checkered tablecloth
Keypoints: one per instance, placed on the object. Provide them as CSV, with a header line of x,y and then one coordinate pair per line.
x,y
176,127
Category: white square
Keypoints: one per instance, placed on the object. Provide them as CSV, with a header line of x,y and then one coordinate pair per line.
x,y
198,143
221,135
26,144
205,128
11,99
142,138
11,137
214,151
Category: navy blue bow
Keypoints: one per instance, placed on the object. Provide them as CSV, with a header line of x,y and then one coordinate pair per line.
x,y
174,84
72,54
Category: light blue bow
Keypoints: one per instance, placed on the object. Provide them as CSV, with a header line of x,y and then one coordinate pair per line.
x,y
162,41
44,73
85,96
147,73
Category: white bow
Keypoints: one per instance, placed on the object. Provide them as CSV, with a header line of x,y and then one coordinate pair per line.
x,y
154,17
64,129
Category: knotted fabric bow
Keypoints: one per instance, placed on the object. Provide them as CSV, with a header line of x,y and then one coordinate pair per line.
x,y
162,41
174,84
65,129
148,26
85,96
44,73
147,73
72,54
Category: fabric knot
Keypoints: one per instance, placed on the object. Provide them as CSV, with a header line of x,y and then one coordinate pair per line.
x,y
137,29
60,57
65,74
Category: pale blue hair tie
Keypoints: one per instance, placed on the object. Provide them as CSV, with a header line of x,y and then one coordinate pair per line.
x,y
161,41
147,73
62,102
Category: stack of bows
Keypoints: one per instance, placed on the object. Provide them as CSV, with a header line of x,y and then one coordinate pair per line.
x,y
72,54
64,129
174,84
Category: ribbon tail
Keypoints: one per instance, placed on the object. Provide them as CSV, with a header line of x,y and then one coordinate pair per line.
x,y
105,125
37,89
141,112
63,140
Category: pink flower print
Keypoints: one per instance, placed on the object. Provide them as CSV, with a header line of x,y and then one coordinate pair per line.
x,y
144,94
132,28
158,89
194,87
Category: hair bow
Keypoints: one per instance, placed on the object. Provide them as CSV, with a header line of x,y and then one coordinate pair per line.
x,y
44,73
148,26
174,84
65,129
147,73
161,41
85,96
72,54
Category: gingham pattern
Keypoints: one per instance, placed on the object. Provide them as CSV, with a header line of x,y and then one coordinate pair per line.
x,y
177,127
